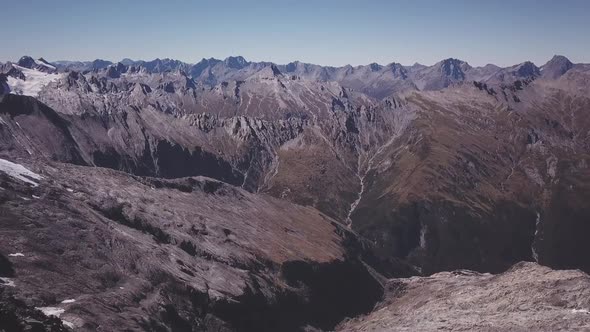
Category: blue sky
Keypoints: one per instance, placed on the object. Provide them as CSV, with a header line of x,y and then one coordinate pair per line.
x,y
322,31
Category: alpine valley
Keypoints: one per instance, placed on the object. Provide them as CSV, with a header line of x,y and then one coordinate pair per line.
x,y
229,195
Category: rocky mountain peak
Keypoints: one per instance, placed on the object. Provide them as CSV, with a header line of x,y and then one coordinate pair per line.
x,y
269,72
527,69
417,66
292,66
275,70
398,70
557,66
202,69
375,67
115,70
26,62
44,61
39,64
236,62
100,64
454,68
559,58
127,61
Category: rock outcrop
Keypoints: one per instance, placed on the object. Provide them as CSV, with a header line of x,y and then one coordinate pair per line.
x,y
524,298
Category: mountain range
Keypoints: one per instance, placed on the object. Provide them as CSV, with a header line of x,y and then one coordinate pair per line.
x,y
375,80
230,195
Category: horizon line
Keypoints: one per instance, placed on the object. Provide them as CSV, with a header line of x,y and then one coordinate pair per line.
x,y
299,61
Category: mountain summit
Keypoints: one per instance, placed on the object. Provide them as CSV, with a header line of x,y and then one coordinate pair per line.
x,y
557,66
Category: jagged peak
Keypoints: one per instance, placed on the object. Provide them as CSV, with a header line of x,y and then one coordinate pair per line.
x,y
269,72
44,61
454,68
396,64
275,70
375,66
100,63
559,58
26,61
26,57
398,69
236,62
452,60
292,66
491,65
557,66
526,69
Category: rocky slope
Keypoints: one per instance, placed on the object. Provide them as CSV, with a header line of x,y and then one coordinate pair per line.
x,y
528,297
104,250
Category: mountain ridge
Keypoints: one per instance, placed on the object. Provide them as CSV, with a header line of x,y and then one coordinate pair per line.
x,y
375,80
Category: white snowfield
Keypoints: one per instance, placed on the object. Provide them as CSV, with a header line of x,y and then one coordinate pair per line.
x,y
54,311
18,254
19,172
34,82
46,65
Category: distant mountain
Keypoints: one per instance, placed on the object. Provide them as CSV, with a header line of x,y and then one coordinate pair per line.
x,y
39,64
440,75
557,66
82,65
525,70
235,62
374,80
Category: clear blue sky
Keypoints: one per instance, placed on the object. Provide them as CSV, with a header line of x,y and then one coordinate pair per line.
x,y
321,31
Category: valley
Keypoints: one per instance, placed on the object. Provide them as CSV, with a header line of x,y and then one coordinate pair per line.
x,y
233,195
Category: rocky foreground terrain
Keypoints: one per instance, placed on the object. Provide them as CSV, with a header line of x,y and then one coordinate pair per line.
x,y
233,195
527,297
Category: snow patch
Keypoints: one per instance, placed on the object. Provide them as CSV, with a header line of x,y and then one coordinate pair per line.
x,y
19,172
580,311
7,282
44,64
51,311
54,311
68,324
18,254
34,81
68,301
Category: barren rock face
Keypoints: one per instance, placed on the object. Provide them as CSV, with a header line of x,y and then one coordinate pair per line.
x,y
524,298
107,249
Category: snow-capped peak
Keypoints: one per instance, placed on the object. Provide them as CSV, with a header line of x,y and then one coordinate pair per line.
x,y
44,63
39,64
